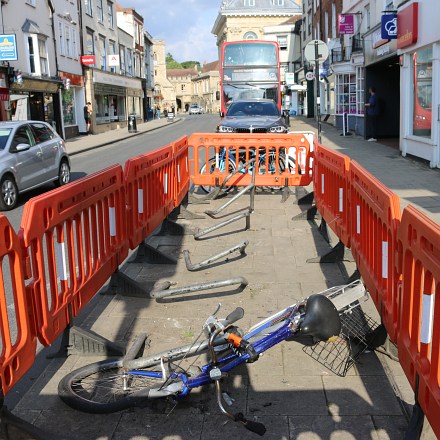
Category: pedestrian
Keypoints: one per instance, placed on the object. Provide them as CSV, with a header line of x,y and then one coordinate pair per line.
x,y
158,112
373,112
88,116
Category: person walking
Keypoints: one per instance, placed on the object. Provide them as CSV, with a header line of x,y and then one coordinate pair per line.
x,y
88,116
373,112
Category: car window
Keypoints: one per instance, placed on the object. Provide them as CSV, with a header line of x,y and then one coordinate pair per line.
x,y
23,135
42,133
4,136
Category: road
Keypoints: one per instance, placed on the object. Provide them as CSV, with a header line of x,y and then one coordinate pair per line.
x,y
100,158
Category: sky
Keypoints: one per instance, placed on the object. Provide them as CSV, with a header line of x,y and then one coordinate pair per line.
x,y
185,25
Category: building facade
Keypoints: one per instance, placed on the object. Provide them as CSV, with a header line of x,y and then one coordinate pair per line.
x,y
181,80
206,87
164,92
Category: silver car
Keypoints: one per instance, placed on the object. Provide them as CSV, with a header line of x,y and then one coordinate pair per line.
x,y
31,154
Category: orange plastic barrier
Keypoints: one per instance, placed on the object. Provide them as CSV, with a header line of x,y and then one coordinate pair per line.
x,y
419,336
374,219
181,168
18,339
211,151
331,189
73,238
150,198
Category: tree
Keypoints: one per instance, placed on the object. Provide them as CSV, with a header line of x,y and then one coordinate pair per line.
x,y
171,63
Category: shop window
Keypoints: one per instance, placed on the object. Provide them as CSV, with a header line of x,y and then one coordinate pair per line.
x,y
422,92
345,88
68,103
360,90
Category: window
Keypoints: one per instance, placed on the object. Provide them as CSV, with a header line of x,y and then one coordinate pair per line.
x,y
88,7
130,62
23,135
122,59
102,53
41,133
31,2
360,90
37,55
74,44
90,47
68,41
100,11
110,14
112,51
250,36
42,51
68,103
249,2
61,45
422,91
345,87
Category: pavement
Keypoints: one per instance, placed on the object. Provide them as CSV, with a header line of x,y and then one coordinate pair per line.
x,y
292,394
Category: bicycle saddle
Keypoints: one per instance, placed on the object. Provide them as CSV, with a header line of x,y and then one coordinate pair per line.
x,y
321,318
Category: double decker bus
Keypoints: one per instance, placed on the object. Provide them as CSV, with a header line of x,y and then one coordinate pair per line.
x,y
422,95
249,69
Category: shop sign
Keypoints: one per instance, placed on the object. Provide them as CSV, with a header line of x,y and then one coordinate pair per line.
x,y
8,48
88,60
290,78
389,26
407,26
113,60
346,23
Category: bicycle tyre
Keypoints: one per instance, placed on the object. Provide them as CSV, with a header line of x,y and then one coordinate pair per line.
x,y
212,166
97,388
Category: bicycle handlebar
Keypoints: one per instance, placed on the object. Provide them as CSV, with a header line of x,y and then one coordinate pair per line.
x,y
234,316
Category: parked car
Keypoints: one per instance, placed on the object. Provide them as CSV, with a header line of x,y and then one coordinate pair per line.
x,y
31,154
252,116
195,110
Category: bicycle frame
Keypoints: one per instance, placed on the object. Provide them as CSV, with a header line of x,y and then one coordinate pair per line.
x,y
231,361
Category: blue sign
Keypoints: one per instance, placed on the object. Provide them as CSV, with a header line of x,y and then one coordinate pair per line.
x,y
8,48
388,28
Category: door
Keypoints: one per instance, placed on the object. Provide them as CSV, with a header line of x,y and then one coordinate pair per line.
x,y
50,149
29,162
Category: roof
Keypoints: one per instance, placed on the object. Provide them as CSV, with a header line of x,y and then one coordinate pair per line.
x,y
181,72
208,67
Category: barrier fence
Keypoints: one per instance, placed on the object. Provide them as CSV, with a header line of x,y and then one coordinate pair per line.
x,y
72,240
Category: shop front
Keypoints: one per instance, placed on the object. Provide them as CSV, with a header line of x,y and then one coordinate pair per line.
x,y
382,71
36,99
420,78
113,99
72,103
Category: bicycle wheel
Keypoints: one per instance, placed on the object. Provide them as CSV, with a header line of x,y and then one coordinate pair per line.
x,y
104,387
212,167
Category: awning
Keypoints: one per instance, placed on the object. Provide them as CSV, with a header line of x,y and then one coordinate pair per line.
x,y
297,88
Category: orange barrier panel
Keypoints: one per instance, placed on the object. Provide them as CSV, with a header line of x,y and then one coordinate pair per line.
x,y
181,168
73,239
331,189
18,339
277,159
148,179
419,336
374,219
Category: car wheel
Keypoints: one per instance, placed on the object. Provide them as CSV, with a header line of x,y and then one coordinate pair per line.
x,y
63,174
9,193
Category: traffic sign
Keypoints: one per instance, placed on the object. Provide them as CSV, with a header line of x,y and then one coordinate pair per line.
x,y
316,49
310,76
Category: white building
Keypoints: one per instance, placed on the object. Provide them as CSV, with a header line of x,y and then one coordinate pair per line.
x,y
419,51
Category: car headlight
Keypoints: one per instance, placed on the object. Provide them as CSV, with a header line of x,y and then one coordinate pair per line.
x,y
277,129
225,129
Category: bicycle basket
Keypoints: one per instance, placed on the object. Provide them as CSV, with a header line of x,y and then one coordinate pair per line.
x,y
340,355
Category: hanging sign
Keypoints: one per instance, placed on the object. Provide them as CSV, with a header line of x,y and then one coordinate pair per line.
x,y
8,48
388,27
346,23
113,60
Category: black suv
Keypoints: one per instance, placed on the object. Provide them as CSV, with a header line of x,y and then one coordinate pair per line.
x,y
252,116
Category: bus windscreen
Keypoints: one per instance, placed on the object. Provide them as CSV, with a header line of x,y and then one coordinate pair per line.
x,y
245,54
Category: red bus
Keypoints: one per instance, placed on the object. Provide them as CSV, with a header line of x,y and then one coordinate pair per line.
x,y
249,69
422,96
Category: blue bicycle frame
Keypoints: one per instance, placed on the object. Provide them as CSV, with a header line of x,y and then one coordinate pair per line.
x,y
233,360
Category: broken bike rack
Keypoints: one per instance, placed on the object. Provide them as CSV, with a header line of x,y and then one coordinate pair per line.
x,y
193,267
157,294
